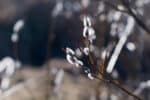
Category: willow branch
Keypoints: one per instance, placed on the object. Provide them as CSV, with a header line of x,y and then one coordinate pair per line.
x,y
118,85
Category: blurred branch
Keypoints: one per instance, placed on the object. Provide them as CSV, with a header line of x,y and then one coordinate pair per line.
x,y
114,7
132,13
128,11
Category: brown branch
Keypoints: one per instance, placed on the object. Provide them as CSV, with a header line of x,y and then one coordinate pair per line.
x,y
119,86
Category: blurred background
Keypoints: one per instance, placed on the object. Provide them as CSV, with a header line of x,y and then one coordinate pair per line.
x,y
33,33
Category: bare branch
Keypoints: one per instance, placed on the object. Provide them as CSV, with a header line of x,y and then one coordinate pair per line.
x,y
132,13
118,85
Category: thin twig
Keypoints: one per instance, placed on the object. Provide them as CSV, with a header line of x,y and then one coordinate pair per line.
x,y
117,85
128,11
114,7
48,54
132,13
